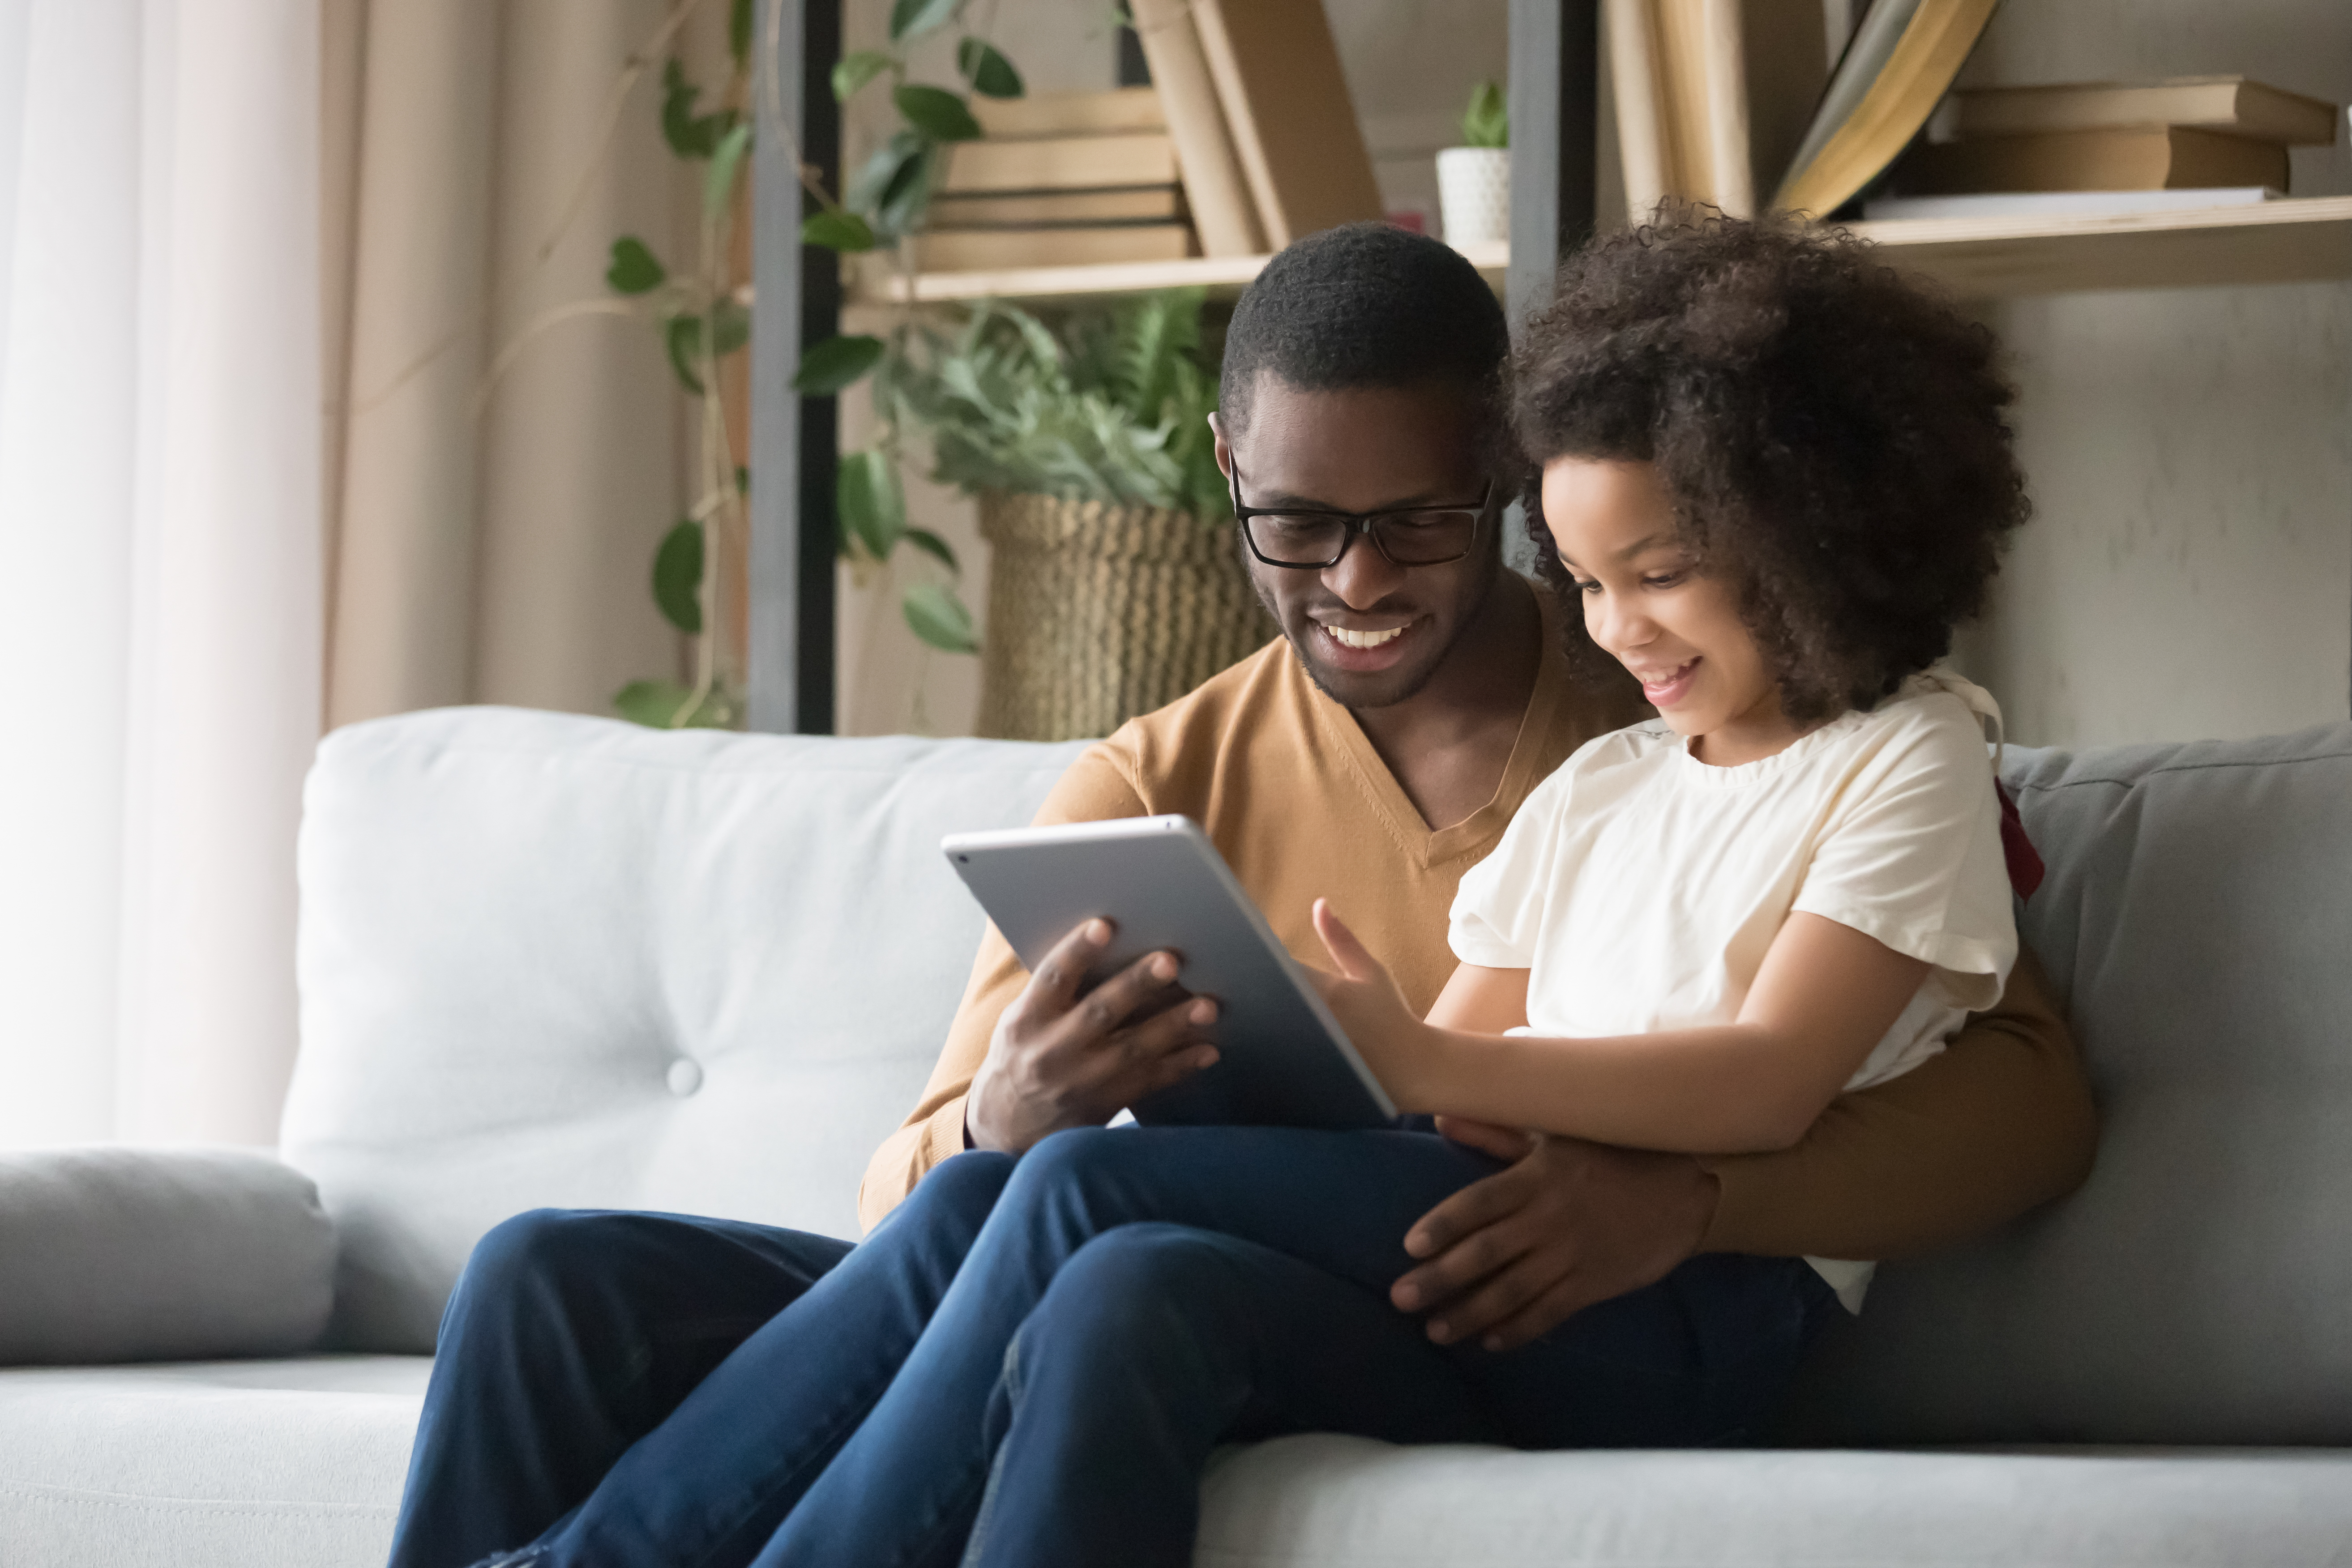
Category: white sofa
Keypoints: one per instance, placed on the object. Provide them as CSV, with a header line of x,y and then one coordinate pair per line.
x,y
557,960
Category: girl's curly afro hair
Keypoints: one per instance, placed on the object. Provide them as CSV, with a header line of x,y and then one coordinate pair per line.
x,y
1832,437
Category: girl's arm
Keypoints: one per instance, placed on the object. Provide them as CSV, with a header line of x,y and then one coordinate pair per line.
x,y
1824,995
1480,1001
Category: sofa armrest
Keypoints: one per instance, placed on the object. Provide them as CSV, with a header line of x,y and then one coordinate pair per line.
x,y
124,1254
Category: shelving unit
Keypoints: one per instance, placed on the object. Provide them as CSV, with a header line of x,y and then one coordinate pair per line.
x,y
2277,242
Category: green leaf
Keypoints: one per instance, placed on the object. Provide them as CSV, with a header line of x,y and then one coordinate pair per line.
x,y
854,70
829,366
661,705
730,328
900,168
871,506
1488,121
719,181
843,231
931,545
635,269
688,136
913,18
677,577
682,336
989,72
940,618
739,32
936,112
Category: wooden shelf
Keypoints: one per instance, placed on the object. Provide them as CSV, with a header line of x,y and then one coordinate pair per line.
x,y
2296,241
1225,276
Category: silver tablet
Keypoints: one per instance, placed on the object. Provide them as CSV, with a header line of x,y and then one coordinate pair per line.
x,y
1283,1060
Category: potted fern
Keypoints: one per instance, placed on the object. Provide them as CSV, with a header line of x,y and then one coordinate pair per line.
x,y
1115,586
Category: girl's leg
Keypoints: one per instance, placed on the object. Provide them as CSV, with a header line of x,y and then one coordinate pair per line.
x,y
1157,1342
709,1485
906,1489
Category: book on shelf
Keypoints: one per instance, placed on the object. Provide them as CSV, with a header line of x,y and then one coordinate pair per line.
x,y
1215,189
1285,104
1060,163
1049,209
1711,95
1899,65
1069,113
1007,249
2230,104
2064,204
2143,158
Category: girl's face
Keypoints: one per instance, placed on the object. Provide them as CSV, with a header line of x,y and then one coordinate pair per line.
x,y
1676,627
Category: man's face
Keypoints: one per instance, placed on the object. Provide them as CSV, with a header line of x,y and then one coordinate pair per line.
x,y
1369,633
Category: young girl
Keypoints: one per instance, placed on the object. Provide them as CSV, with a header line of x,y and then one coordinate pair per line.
x,y
1773,478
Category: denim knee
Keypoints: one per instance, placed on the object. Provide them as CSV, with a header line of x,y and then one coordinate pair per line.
x,y
535,1248
1067,1160
1128,1278
962,1189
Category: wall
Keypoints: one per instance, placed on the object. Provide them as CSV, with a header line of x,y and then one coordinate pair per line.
x,y
2189,570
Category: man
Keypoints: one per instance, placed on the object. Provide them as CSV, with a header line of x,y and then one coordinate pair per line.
x,y
1372,756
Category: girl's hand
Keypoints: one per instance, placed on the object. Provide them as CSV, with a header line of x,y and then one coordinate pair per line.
x,y
1398,1047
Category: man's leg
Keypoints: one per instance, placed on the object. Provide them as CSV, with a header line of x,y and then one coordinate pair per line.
x,y
570,1336
709,1485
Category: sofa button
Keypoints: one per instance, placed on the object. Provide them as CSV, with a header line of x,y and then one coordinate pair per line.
x,y
684,1076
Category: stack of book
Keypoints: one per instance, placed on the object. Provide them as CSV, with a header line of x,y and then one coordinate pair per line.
x,y
1060,179
1246,141
2107,147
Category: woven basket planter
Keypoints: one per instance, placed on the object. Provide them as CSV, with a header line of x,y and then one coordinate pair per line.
x,y
1098,612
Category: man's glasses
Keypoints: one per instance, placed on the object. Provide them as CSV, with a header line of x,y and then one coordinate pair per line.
x,y
1309,540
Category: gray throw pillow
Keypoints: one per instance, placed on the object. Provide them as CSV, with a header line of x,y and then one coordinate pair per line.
x,y
123,1254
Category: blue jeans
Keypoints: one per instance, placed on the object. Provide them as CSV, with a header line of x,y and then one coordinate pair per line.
x,y
1029,1362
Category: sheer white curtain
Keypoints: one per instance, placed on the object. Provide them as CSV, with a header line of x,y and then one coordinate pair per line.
x,y
158,557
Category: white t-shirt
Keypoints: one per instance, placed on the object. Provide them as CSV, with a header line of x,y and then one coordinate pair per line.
x,y
1641,887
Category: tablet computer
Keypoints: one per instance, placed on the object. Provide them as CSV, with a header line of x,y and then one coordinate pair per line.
x,y
1283,1060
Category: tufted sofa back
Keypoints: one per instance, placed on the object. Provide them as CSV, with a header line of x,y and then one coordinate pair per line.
x,y
548,960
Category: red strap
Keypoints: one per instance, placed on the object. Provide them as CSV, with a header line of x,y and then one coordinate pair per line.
x,y
2025,867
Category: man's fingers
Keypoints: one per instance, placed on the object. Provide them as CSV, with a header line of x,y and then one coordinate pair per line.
x,y
1462,1266
1564,1299
1501,1295
1108,1004
1474,1208
1055,982
1175,1067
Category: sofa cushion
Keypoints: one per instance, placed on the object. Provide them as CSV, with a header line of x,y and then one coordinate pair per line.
x,y
1345,1502
268,1464
135,1255
550,960
2198,916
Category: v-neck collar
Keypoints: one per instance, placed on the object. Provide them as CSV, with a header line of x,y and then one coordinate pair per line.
x,y
1423,846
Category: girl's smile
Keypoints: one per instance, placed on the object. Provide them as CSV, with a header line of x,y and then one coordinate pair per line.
x,y
1646,602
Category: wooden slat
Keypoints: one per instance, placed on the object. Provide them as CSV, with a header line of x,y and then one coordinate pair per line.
x,y
1986,258
1225,276
2298,241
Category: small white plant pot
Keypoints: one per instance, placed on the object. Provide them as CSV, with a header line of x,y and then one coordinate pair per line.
x,y
1474,195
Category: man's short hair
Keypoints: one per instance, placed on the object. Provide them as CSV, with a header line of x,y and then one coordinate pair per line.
x,y
1365,305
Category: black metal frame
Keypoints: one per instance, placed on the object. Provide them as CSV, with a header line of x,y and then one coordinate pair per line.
x,y
794,440
1555,140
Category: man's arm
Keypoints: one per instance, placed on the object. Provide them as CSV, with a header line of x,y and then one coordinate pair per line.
x,y
1999,1121
1094,790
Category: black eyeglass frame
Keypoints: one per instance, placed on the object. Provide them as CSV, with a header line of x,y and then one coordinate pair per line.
x,y
1357,524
